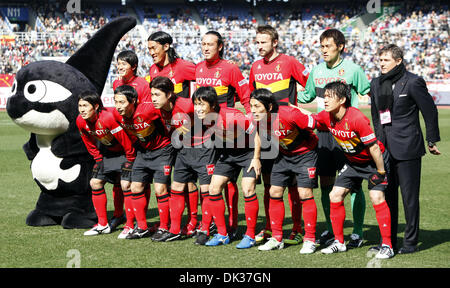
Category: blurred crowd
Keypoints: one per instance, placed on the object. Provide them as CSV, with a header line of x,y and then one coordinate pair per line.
x,y
423,33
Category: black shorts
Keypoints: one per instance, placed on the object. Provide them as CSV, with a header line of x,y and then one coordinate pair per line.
x,y
352,174
330,156
303,167
192,163
232,161
154,165
112,168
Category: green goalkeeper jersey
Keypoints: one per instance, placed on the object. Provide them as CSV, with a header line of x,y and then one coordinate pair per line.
x,y
346,71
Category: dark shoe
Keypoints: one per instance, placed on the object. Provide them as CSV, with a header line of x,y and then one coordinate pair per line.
x,y
116,221
160,235
212,228
171,237
375,248
138,234
407,250
326,238
202,238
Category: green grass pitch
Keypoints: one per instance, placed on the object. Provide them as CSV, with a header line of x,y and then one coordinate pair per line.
x,y
55,247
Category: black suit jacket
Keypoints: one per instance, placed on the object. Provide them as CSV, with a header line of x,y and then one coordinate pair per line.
x,y
403,136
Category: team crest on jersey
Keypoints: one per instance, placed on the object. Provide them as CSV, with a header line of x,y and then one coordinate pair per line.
x,y
217,74
341,72
170,74
99,125
346,126
259,66
278,68
139,119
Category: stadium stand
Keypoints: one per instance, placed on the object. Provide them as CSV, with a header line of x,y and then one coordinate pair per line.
x,y
421,29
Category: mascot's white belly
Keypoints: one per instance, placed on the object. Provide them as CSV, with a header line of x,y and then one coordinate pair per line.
x,y
46,166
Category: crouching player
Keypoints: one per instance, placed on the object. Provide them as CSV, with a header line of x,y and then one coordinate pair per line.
x,y
192,161
366,158
233,132
154,158
298,156
112,151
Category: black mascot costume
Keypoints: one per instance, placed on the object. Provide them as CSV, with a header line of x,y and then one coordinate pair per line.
x,y
44,101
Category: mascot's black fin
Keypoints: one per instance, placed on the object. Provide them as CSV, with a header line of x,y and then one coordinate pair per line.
x,y
93,59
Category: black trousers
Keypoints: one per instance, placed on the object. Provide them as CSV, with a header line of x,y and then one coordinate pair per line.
x,y
406,174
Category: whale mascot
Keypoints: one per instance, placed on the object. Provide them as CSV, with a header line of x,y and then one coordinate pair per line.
x,y
44,101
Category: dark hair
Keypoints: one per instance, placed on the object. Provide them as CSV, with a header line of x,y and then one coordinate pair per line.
x,y
337,36
265,96
129,92
397,52
341,90
164,38
93,99
130,57
162,83
207,94
219,41
269,30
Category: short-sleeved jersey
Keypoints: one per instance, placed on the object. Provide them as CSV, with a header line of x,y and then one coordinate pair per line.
x,y
140,84
294,131
227,79
233,127
353,133
346,71
180,120
280,76
146,125
105,133
180,72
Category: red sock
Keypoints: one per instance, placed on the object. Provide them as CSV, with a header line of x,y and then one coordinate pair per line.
x,y
310,218
251,214
266,206
163,208
337,216
276,211
383,215
99,200
139,204
296,209
176,204
206,214
129,212
118,200
217,207
147,192
191,200
232,196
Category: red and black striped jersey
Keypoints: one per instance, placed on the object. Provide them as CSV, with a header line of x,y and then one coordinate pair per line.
x,y
105,133
280,76
146,125
353,133
138,83
227,79
181,72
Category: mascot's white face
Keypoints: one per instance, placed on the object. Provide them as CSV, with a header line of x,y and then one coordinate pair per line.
x,y
43,91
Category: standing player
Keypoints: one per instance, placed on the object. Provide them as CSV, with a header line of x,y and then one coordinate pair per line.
x,y
153,160
127,64
366,158
279,73
232,130
335,68
227,80
298,157
167,63
192,161
113,153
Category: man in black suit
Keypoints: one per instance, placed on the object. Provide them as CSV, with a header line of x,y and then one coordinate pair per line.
x,y
396,98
